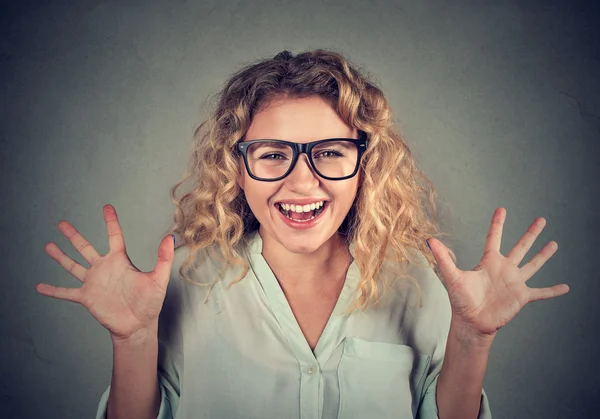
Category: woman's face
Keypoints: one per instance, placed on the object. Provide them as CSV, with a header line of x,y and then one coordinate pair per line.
x,y
300,121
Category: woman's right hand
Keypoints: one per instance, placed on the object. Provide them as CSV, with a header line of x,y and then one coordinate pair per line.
x,y
121,297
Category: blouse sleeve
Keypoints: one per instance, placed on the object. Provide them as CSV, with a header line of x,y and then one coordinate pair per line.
x,y
436,318
428,408
170,359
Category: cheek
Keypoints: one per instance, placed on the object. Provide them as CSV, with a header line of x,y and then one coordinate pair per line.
x,y
257,195
347,194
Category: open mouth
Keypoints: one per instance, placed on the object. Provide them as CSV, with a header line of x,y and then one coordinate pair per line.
x,y
302,217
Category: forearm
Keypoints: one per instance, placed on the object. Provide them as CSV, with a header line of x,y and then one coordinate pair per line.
x,y
134,391
460,383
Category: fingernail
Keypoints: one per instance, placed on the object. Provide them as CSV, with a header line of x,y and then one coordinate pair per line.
x,y
427,241
174,241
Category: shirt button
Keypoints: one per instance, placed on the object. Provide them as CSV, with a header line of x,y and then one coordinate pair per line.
x,y
311,369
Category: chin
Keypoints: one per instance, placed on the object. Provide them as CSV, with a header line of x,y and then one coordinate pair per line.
x,y
304,248
304,245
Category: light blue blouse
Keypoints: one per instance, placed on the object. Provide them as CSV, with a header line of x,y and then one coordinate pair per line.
x,y
240,353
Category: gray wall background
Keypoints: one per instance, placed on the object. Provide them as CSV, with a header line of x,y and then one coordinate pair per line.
x,y
499,100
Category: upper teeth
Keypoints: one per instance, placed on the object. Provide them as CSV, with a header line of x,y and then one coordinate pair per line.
x,y
302,208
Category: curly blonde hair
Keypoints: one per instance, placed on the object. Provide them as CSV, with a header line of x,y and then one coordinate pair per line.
x,y
391,213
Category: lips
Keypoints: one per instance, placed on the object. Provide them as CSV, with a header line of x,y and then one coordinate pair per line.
x,y
303,224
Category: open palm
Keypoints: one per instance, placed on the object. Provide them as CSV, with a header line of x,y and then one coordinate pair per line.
x,y
489,296
122,298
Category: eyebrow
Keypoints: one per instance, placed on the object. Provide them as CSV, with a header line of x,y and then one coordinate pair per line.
x,y
279,139
270,145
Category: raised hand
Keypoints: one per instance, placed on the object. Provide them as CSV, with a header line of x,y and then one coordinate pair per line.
x,y
121,297
489,296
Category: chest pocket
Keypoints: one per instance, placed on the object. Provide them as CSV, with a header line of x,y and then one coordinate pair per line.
x,y
379,380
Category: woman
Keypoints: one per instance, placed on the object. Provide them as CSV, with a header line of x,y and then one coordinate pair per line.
x,y
312,294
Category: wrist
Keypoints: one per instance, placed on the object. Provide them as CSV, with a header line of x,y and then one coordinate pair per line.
x,y
139,338
469,337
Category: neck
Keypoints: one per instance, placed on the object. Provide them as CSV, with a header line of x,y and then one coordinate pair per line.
x,y
307,273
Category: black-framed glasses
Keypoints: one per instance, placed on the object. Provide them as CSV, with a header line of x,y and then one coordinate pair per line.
x,y
270,160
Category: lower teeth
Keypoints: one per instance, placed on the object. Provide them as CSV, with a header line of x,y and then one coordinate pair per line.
x,y
301,221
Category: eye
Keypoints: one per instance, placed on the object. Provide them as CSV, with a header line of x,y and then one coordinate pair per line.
x,y
332,153
264,156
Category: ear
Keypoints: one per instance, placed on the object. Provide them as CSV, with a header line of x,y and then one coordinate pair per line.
x,y
240,176
240,181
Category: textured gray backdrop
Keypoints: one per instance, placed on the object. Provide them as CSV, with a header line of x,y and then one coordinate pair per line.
x,y
500,101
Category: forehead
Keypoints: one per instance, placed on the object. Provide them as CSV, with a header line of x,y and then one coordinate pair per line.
x,y
298,120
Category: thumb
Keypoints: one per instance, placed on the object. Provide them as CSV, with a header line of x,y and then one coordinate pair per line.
x,y
166,254
447,267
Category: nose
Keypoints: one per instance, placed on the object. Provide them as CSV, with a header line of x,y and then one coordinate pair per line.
x,y
303,172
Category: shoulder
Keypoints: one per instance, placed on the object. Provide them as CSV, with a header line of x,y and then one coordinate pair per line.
x,y
433,290
201,272
207,274
426,311
204,264
408,278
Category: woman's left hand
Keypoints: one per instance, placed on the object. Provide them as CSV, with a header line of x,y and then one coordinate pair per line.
x,y
489,296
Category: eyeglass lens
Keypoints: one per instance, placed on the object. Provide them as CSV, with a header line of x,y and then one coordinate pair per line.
x,y
334,159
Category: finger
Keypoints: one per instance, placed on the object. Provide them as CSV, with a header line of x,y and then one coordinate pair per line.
x,y
166,253
536,294
534,265
69,294
494,238
66,262
79,242
450,272
113,228
518,252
